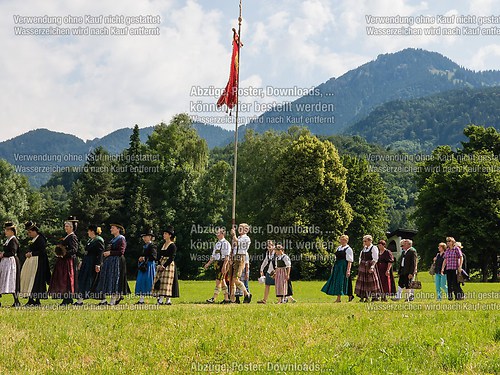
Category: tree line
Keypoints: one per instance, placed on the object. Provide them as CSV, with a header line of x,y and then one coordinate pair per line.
x,y
293,187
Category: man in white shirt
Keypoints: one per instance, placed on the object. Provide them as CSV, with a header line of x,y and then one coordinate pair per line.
x,y
220,256
241,244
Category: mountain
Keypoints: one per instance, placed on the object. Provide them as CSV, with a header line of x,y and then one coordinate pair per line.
x,y
419,125
408,74
41,152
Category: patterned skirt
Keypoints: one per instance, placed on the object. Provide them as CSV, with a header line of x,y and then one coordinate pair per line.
x,y
10,275
367,284
166,282
62,283
145,279
88,278
113,277
337,284
281,283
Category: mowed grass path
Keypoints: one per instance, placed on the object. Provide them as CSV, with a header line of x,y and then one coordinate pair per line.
x,y
314,335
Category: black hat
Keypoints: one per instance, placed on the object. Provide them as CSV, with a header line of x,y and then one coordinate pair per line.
x,y
169,229
31,225
148,232
94,228
10,225
72,219
119,226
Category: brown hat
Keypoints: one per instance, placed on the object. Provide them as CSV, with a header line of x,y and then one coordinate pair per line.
x,y
31,225
119,226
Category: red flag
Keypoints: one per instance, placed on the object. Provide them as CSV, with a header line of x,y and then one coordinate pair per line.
x,y
230,95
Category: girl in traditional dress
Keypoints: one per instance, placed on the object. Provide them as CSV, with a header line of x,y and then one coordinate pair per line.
x,y
91,265
340,283
384,268
147,267
63,283
282,266
368,282
265,269
166,283
113,277
35,274
9,264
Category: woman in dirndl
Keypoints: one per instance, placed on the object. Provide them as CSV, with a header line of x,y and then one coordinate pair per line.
x,y
147,267
339,283
10,267
91,265
63,283
35,274
282,266
368,282
166,283
113,277
384,268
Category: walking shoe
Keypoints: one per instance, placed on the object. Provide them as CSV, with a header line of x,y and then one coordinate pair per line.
x,y
225,302
262,302
210,300
78,304
247,299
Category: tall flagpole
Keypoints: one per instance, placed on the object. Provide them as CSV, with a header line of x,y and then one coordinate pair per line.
x,y
233,212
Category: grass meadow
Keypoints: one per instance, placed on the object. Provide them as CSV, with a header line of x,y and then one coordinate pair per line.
x,y
312,336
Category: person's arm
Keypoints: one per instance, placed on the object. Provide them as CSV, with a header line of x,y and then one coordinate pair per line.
x,y
443,267
264,264
288,264
349,255
99,244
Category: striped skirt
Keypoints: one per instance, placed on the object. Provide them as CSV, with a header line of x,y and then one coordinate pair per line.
x,y
368,283
281,283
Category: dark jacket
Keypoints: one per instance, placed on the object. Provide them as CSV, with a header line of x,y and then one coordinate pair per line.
x,y
410,262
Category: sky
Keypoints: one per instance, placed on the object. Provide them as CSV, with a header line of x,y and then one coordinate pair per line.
x,y
91,85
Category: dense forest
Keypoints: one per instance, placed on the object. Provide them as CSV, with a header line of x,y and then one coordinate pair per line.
x,y
294,187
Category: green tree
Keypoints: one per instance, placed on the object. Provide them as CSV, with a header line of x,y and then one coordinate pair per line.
x,y
182,159
15,194
311,193
367,197
94,198
459,196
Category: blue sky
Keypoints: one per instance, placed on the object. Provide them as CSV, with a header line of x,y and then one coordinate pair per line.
x,y
91,85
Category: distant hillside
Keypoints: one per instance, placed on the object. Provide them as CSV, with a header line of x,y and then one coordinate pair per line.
x,y
408,74
422,124
39,153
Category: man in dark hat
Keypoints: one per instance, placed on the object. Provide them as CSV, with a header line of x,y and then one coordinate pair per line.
x,y
35,274
9,264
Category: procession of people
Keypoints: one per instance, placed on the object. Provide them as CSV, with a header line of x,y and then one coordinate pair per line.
x,y
102,272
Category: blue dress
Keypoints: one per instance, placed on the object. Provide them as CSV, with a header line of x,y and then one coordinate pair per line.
x,y
144,282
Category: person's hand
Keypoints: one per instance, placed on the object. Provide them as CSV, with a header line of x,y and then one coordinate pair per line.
x,y
233,232
387,273
347,274
371,270
410,276
161,268
141,259
206,266
106,254
28,255
97,269
459,270
79,266
1,255
261,274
